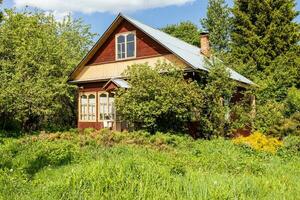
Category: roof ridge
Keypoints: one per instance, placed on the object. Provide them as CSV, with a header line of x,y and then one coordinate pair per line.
x,y
166,34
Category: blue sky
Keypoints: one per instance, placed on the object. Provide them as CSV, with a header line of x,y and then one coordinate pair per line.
x,y
158,14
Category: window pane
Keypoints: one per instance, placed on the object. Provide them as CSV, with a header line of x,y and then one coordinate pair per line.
x,y
92,105
111,110
121,38
83,99
103,106
130,37
121,50
83,107
130,49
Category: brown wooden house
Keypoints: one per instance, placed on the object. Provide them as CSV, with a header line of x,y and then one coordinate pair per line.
x,y
124,43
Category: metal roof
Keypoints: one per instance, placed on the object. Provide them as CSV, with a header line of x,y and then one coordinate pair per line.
x,y
189,53
121,83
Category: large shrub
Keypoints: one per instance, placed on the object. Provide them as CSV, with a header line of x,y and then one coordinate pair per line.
x,y
159,98
287,126
217,92
293,101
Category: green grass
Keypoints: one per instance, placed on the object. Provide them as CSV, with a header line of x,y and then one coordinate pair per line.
x,y
107,165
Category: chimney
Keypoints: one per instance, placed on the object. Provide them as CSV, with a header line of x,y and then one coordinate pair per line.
x,y
204,42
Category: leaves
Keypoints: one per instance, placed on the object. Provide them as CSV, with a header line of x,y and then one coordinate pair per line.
x,y
159,97
218,24
37,54
186,31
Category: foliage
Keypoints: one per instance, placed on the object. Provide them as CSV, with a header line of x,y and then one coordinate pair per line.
x,y
265,48
217,23
129,169
293,101
39,154
1,14
291,146
267,115
186,31
37,53
159,98
262,31
217,93
260,142
287,127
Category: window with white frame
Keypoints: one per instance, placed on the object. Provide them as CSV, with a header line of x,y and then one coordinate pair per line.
x,y
92,107
83,107
88,107
125,45
106,106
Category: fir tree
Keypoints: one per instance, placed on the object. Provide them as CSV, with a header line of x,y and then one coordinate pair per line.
x,y
217,23
262,31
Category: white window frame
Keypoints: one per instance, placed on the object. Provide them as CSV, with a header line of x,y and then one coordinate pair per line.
x,y
87,94
107,107
116,45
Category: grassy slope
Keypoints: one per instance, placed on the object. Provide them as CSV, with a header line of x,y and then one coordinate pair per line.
x,y
139,166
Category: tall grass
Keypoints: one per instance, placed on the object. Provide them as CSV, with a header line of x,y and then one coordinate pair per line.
x,y
107,165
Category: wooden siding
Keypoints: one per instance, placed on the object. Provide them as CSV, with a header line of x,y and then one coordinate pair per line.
x,y
146,47
115,69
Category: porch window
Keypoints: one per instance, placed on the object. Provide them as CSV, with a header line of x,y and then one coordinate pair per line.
x,y
126,45
83,107
92,107
88,107
106,106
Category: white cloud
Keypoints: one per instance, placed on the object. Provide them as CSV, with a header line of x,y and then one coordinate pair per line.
x,y
91,6
59,16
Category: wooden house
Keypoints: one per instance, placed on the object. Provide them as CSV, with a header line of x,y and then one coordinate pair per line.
x,y
126,42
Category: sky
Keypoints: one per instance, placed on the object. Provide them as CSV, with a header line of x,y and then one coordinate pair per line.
x,y
100,13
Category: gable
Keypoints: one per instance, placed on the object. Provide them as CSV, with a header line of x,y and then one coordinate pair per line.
x,y
145,46
151,43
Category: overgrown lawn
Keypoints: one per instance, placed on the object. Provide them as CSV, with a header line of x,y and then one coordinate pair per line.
x,y
104,165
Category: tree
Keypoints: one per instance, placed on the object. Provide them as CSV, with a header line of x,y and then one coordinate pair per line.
x,y
265,48
1,14
218,23
186,31
158,101
37,53
217,93
262,31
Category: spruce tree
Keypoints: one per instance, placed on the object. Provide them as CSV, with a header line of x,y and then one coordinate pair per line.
x,y
217,23
262,31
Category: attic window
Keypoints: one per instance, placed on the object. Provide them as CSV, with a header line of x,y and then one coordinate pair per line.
x,y
125,45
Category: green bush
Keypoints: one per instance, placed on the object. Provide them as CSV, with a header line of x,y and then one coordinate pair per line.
x,y
267,115
158,101
31,156
293,101
287,126
291,147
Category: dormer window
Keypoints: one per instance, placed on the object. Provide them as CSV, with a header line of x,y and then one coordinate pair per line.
x,y
125,45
